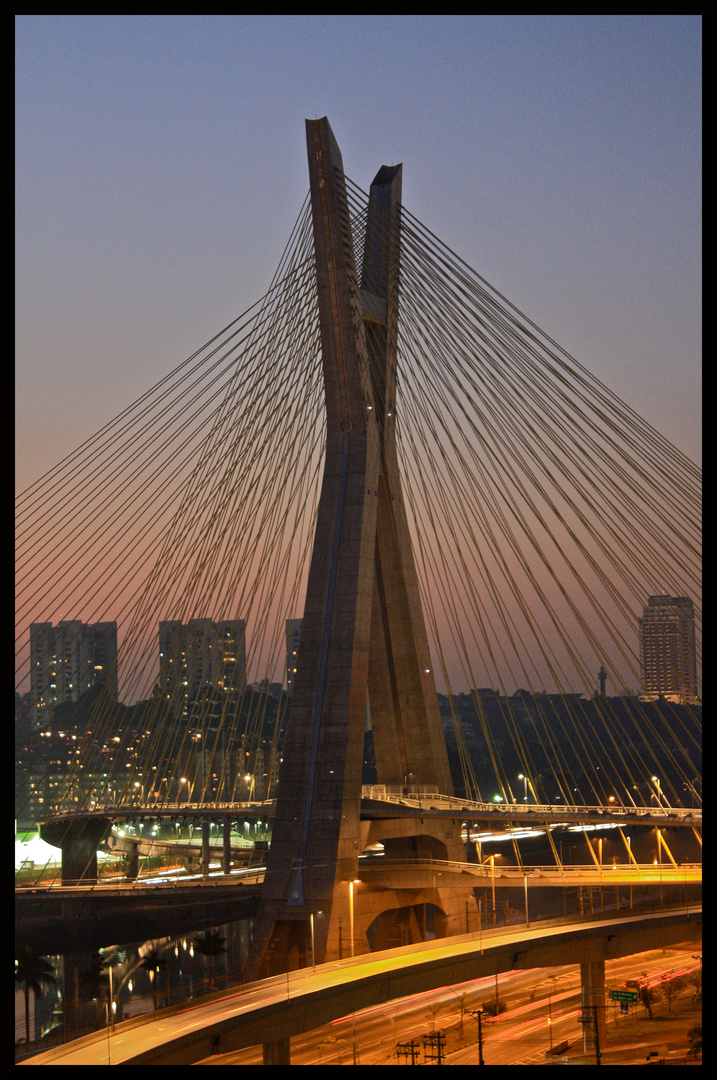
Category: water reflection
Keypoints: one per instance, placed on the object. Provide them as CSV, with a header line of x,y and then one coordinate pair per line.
x,y
123,981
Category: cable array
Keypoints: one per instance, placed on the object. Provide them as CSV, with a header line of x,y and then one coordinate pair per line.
x,y
196,503
544,513
543,510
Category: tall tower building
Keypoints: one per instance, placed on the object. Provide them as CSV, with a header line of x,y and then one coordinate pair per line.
x,y
667,649
67,660
201,655
229,655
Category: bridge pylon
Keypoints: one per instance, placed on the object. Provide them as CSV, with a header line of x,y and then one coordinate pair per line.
x,y
363,648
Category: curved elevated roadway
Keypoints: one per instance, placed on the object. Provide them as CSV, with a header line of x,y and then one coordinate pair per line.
x,y
272,1010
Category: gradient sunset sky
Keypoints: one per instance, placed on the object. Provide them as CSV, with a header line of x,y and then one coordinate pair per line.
x,y
161,163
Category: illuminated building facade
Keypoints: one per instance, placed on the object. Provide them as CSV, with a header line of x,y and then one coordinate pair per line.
x,y
201,655
667,650
67,660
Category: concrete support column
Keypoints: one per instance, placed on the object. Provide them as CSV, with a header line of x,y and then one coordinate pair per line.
x,y
78,841
227,845
592,982
132,866
277,1053
205,847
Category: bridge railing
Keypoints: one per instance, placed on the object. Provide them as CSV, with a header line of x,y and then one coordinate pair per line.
x,y
423,797
399,793
161,810
431,797
566,871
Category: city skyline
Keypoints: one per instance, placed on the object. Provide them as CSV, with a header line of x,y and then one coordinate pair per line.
x,y
595,31
210,653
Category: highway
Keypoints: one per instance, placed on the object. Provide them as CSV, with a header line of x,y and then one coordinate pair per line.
x,y
520,1036
296,1002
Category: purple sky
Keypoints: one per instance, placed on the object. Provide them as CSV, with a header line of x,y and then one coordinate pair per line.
x,y
161,162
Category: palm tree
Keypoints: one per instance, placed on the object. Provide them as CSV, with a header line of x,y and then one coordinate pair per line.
x,y
33,973
211,944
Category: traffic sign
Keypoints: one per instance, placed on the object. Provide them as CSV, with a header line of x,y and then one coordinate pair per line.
x,y
623,995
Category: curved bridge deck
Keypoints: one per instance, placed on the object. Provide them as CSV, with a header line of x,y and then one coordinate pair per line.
x,y
291,1004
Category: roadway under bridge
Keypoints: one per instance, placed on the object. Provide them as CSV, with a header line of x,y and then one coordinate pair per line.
x,y
65,918
300,1001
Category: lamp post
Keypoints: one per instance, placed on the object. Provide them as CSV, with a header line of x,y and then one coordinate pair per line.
x,y
659,857
551,991
313,942
351,912
656,782
524,778
491,860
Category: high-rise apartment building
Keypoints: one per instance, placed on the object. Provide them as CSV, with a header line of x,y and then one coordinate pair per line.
x,y
67,660
201,655
293,636
667,649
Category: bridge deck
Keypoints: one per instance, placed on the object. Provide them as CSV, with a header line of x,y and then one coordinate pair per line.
x,y
298,1002
381,802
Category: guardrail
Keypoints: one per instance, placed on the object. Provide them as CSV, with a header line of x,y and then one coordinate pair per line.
x,y
566,871
421,797
429,798
253,876
162,810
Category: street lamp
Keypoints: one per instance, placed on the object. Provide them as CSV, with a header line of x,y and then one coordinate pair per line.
x,y
491,860
313,949
551,991
479,1014
351,912
521,776
659,857
313,940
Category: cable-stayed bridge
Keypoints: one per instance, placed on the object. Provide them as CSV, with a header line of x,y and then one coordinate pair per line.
x,y
385,448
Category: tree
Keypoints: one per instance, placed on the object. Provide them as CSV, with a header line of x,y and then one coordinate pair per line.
x,y
493,1007
671,988
33,973
694,979
648,997
695,1037
211,944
